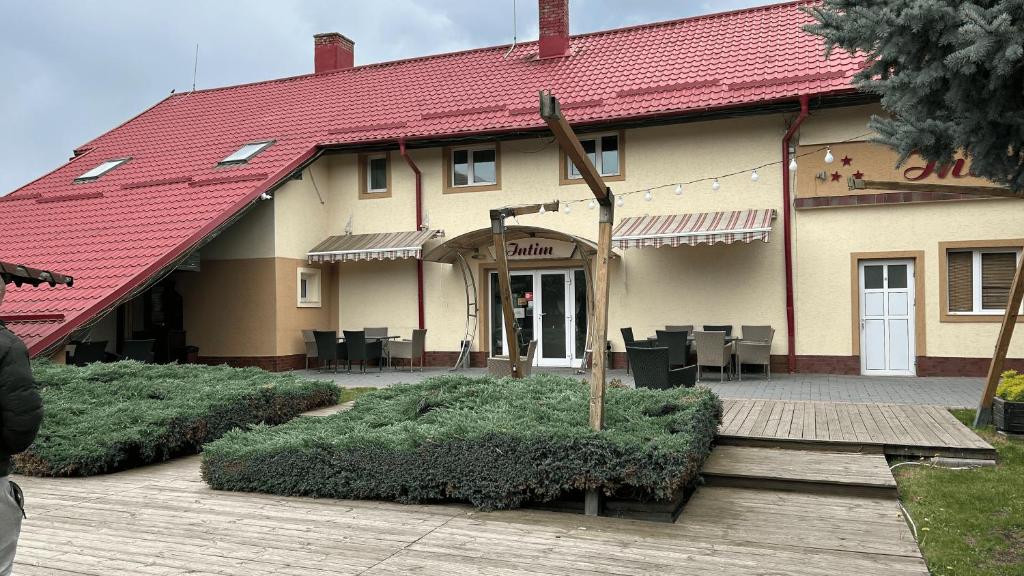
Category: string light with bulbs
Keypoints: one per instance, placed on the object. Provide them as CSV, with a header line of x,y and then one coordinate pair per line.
x,y
648,192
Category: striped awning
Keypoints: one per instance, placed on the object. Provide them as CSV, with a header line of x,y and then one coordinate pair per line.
x,y
693,229
380,246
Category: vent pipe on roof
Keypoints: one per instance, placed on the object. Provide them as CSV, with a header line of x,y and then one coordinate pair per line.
x,y
554,28
331,52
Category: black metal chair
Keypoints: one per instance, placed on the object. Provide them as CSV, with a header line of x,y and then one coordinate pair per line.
x,y
139,350
89,352
651,370
361,351
326,349
727,328
677,344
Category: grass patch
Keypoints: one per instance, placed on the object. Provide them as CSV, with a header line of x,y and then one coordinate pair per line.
x,y
970,522
493,443
350,394
108,417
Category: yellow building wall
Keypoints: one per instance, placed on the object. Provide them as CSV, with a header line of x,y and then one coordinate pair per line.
x,y
738,284
824,238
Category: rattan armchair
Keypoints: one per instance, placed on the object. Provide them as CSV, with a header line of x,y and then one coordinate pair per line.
x,y
410,349
89,352
310,342
326,342
727,328
678,347
651,369
139,350
361,351
500,366
755,348
713,351
627,341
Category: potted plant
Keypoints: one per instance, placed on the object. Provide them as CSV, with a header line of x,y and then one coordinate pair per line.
x,y
1008,405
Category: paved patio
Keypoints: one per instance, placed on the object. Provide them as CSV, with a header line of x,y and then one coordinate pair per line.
x,y
948,392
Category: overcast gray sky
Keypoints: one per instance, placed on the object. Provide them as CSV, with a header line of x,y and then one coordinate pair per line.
x,y
73,69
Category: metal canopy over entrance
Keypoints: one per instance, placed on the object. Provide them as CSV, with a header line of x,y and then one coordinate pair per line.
x,y
476,245
471,243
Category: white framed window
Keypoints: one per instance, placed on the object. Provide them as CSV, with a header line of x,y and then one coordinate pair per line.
x,y
377,174
100,170
604,151
474,166
246,152
308,293
979,280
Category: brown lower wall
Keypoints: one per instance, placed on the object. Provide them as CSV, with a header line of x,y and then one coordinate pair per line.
x,y
847,365
269,363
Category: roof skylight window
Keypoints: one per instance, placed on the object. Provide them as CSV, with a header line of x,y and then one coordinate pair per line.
x,y
246,152
101,170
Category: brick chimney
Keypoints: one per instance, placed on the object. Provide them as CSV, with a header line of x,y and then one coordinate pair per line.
x,y
554,28
332,51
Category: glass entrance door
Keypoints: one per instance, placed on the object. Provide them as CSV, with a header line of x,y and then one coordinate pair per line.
x,y
550,307
554,343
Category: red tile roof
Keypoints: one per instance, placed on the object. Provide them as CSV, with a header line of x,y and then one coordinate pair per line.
x,y
115,233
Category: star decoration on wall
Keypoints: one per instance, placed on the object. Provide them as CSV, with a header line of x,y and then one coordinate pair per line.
x,y
836,176
858,175
846,160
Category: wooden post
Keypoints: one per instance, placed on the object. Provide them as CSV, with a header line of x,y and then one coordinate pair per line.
x,y
505,286
498,217
601,276
570,145
983,417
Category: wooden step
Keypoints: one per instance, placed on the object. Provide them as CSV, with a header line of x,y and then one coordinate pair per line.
x,y
811,471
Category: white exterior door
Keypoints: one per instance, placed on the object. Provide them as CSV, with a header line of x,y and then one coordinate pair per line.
x,y
545,303
887,317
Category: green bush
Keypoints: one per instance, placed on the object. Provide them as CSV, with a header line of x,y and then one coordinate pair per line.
x,y
1011,386
108,417
494,443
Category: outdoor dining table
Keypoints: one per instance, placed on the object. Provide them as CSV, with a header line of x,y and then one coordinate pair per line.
x,y
383,339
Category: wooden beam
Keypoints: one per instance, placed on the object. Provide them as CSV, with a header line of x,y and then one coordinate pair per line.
x,y
505,286
551,112
990,191
983,416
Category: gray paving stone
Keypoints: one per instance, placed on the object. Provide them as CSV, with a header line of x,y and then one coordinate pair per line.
x,y
941,391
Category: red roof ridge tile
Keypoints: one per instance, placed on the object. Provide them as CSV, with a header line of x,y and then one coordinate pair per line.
x,y
158,182
42,199
229,179
368,127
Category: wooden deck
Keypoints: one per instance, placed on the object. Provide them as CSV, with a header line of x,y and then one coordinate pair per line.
x,y
802,470
163,520
894,429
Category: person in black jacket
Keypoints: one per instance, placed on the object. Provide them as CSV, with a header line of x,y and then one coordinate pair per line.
x,y
21,412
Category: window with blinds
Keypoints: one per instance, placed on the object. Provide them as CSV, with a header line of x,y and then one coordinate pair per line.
x,y
979,280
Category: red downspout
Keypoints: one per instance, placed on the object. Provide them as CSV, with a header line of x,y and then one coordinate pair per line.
x,y
419,224
787,232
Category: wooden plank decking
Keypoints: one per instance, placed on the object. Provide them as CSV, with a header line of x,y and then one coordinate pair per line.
x,y
912,430
802,470
163,520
